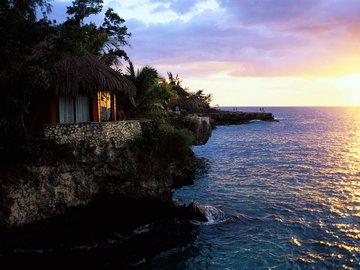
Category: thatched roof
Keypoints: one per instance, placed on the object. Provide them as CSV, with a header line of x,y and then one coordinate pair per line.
x,y
73,75
191,103
195,103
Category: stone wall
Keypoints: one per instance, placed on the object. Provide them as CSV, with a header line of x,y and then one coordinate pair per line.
x,y
97,134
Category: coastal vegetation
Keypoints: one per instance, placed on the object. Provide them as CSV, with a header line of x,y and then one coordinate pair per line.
x,y
193,101
152,91
141,159
31,46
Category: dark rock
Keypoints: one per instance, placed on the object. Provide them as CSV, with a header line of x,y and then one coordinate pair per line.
x,y
232,118
39,190
199,126
117,230
190,211
77,226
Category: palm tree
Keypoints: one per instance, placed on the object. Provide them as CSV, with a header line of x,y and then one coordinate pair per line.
x,y
151,88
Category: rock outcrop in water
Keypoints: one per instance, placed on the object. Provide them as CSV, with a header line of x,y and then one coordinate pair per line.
x,y
199,126
126,183
233,118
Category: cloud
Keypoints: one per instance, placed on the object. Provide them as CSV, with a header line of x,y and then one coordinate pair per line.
x,y
270,11
242,38
265,38
178,6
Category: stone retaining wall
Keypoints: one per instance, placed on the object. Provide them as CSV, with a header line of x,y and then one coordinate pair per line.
x,y
97,134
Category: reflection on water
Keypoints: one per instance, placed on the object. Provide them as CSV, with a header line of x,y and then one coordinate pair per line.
x,y
290,191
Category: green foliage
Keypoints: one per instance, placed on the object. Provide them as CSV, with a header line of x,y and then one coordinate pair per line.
x,y
176,86
25,8
205,98
78,37
143,79
156,96
33,149
153,92
82,9
165,143
19,37
105,41
192,101
175,142
117,35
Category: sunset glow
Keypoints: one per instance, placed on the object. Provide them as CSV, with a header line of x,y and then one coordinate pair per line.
x,y
249,52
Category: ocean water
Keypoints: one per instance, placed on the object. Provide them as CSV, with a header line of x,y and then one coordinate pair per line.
x,y
280,195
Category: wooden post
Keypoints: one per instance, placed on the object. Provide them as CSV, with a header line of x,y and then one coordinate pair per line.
x,y
54,101
99,106
114,107
95,108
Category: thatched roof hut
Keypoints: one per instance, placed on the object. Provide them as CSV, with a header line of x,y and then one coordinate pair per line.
x,y
74,75
195,103
190,104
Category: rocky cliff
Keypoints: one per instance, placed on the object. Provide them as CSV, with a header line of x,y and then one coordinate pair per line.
x,y
199,126
137,174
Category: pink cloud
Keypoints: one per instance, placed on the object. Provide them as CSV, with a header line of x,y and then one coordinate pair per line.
x,y
250,38
273,39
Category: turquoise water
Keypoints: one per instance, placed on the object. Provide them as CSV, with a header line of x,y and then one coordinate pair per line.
x,y
282,195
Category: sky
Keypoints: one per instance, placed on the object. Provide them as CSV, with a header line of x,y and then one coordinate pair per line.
x,y
248,52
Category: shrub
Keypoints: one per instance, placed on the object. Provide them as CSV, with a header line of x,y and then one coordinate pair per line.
x,y
33,148
175,142
165,142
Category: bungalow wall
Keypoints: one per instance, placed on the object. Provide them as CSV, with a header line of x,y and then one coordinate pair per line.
x,y
67,109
